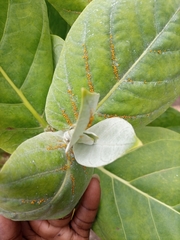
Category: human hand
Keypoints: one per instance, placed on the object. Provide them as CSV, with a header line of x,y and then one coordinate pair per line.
x,y
77,228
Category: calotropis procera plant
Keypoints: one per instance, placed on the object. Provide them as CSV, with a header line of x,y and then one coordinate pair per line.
x,y
49,158
127,51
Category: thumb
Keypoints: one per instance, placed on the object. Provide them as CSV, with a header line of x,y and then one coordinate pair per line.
x,y
86,212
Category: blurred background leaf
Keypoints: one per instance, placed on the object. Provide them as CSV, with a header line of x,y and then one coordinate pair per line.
x,y
69,10
58,26
26,71
3,157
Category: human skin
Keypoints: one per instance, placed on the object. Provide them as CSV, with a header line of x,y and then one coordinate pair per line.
x,y
68,228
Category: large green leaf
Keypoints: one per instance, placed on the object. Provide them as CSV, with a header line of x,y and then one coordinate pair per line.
x,y
140,194
69,9
26,68
128,51
40,181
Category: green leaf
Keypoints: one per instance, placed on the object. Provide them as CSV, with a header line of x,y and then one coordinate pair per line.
x,y
11,138
102,143
151,134
40,182
175,128
140,194
3,157
115,137
26,68
126,51
169,119
88,106
3,15
57,44
69,9
58,26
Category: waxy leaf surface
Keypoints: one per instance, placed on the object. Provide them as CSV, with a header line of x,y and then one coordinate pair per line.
x,y
88,106
102,143
115,137
128,51
40,182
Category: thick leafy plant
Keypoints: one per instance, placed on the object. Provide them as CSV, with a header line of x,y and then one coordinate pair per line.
x,y
129,53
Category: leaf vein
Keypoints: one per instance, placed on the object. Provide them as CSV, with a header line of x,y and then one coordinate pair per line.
x,y
150,209
118,210
154,172
24,99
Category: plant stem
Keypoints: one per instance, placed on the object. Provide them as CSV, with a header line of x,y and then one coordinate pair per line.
x,y
41,120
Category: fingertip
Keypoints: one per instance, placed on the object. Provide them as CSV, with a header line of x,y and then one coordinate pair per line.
x,y
96,176
92,194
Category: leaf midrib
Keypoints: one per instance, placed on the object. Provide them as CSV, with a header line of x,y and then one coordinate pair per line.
x,y
26,103
113,176
153,173
32,176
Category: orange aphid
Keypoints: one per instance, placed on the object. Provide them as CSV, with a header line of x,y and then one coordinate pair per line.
x,y
66,117
88,74
73,183
73,104
113,57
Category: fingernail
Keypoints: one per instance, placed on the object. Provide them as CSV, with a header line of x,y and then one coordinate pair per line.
x,y
96,176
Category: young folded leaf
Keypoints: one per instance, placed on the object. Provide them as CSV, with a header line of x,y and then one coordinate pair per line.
x,y
102,143
88,138
115,138
89,103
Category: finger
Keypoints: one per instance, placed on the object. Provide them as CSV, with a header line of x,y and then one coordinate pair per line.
x,y
61,222
43,229
9,229
28,232
87,209
51,228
